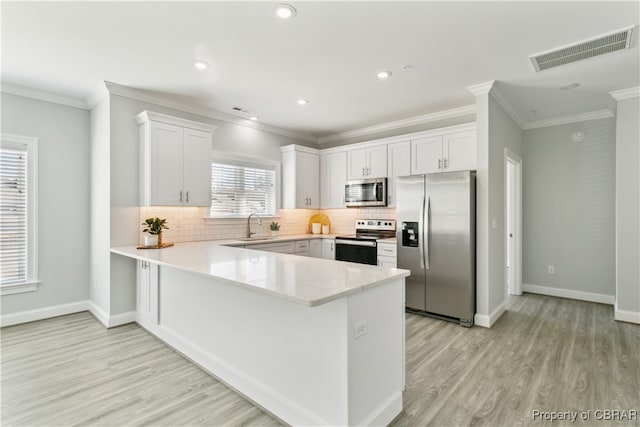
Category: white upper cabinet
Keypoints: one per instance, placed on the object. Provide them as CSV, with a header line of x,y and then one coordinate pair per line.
x,y
446,152
300,177
398,164
370,162
333,175
175,161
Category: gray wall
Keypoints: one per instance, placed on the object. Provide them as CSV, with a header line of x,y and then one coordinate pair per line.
x,y
569,207
63,199
628,210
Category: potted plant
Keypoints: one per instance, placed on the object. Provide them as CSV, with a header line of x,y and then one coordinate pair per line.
x,y
154,227
275,227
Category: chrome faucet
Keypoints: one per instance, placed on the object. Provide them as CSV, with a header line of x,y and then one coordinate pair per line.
x,y
249,233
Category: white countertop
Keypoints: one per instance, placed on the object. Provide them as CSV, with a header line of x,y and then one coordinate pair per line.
x,y
305,280
269,239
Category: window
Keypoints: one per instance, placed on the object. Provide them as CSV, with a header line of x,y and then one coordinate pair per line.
x,y
18,263
239,188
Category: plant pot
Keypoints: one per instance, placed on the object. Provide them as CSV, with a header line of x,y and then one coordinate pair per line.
x,y
274,233
151,239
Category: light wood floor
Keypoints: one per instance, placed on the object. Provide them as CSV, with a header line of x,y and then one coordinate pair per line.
x,y
545,353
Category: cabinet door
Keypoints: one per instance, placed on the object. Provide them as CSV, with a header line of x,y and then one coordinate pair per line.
x,y
311,174
356,163
147,291
197,168
459,151
333,175
377,162
166,164
385,261
398,164
315,248
426,155
328,249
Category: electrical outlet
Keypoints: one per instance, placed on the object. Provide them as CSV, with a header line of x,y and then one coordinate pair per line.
x,y
551,269
360,329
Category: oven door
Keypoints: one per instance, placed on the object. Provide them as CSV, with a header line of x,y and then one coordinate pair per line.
x,y
363,252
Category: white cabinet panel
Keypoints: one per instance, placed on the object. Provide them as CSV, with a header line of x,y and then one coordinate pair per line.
x,y
197,168
175,161
328,249
398,164
300,178
315,248
459,151
147,291
368,162
444,153
333,175
426,155
387,254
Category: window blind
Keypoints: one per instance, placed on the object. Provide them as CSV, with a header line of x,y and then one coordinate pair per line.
x,y
13,214
239,190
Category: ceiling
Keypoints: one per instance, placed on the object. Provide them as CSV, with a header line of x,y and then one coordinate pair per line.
x,y
329,54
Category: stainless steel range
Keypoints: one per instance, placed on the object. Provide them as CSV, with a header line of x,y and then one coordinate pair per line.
x,y
362,247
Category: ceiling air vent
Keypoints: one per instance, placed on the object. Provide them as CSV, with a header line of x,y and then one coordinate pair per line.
x,y
583,50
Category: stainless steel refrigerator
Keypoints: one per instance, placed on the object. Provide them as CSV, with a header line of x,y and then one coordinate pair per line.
x,y
436,241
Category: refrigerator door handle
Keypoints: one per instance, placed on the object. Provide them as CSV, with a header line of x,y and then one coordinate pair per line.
x,y
421,238
425,229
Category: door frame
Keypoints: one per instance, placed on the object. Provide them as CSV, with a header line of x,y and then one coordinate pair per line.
x,y
516,160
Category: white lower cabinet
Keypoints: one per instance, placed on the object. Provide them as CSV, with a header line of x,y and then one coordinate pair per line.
x,y
280,247
315,248
328,249
301,247
387,255
147,291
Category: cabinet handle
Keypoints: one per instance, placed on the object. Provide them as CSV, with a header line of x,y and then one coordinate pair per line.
x,y
187,200
439,163
331,246
445,163
180,196
363,174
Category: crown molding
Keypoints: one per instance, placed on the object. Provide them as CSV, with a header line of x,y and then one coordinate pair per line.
x,y
481,88
495,94
399,124
573,118
619,95
98,94
142,95
43,96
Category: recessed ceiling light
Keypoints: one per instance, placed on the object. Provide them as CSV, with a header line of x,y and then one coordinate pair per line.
x,y
570,86
254,118
302,102
384,74
200,65
285,11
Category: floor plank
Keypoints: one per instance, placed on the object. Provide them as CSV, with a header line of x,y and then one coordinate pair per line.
x,y
545,353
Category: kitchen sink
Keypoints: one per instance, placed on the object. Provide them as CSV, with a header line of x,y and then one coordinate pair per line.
x,y
256,239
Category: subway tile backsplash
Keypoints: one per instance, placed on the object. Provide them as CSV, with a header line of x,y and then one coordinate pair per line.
x,y
188,224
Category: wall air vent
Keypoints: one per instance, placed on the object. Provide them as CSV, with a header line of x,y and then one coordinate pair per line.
x,y
601,45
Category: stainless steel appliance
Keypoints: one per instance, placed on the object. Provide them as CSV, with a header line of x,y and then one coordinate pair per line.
x,y
436,241
366,192
362,247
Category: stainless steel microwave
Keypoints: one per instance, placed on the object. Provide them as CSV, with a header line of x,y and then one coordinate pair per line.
x,y
365,192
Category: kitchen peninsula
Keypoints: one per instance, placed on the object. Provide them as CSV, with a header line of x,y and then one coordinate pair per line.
x,y
313,341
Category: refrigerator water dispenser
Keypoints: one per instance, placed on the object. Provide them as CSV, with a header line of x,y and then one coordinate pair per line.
x,y
410,234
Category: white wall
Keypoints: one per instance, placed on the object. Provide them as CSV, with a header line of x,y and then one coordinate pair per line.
x,y
495,131
63,200
627,305
569,208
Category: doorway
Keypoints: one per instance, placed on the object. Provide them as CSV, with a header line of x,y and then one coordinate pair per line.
x,y
513,222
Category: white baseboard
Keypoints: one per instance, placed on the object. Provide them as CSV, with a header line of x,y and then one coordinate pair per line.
x,y
245,385
110,321
569,293
626,316
42,313
385,413
488,321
